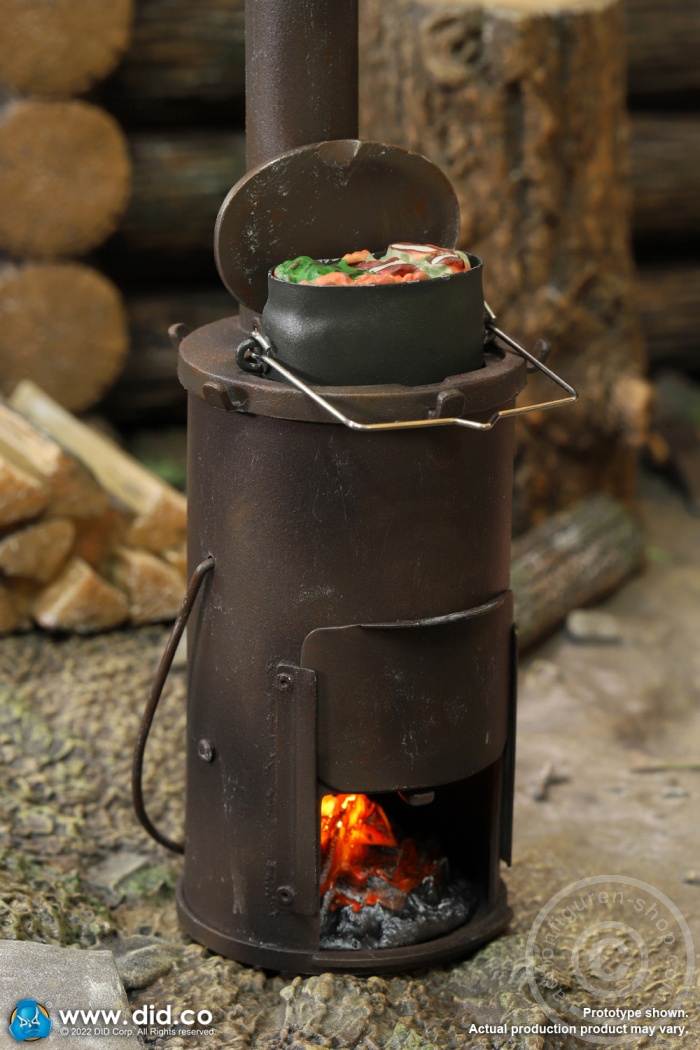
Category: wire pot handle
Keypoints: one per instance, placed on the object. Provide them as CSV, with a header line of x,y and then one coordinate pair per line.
x,y
257,354
166,660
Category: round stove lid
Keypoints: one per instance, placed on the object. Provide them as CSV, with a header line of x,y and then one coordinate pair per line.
x,y
327,199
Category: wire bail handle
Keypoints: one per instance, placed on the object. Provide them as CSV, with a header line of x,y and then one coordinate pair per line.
x,y
196,581
257,354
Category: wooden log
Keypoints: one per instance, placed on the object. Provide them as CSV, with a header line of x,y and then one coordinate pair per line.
x,y
154,588
65,168
181,178
22,495
80,600
160,512
64,324
61,47
38,551
668,300
179,182
72,491
664,161
148,387
15,601
98,536
663,43
183,58
177,557
523,106
575,558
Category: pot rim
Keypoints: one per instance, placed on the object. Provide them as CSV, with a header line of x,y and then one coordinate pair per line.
x,y
477,264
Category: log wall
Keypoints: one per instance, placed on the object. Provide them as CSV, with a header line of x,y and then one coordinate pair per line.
x,y
663,39
64,184
178,96
179,93
556,265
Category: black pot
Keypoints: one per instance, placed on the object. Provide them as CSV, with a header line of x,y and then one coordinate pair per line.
x,y
411,333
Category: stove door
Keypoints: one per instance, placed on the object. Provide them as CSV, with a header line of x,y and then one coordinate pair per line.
x,y
412,704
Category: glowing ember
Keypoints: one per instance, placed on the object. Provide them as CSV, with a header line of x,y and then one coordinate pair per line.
x,y
362,862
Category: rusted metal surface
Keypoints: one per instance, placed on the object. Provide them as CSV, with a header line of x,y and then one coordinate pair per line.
x,y
314,527
357,632
324,200
423,698
301,80
301,74
207,369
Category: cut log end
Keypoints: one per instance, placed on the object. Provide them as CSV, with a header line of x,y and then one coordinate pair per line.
x,y
80,600
154,588
66,169
71,502
160,512
61,47
63,324
22,495
38,551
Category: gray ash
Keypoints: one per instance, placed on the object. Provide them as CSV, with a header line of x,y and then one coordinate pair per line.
x,y
432,909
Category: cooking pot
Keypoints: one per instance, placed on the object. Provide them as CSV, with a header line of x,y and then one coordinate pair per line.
x,y
411,333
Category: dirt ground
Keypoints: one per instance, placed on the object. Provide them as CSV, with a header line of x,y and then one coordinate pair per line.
x,y
76,869
599,712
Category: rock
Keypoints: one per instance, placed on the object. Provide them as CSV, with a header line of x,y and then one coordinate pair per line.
x,y
547,777
142,960
153,881
590,625
540,675
66,979
108,874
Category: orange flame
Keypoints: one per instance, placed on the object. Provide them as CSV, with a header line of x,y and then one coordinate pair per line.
x,y
359,845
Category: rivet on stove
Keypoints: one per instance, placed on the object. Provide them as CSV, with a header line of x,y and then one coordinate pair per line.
x,y
206,751
285,895
284,683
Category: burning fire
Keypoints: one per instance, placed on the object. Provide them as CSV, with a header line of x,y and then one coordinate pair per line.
x,y
362,861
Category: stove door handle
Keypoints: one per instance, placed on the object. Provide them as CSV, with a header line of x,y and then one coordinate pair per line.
x,y
166,660
257,354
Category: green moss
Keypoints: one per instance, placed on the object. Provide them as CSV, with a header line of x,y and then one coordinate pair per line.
x,y
39,903
403,1038
158,881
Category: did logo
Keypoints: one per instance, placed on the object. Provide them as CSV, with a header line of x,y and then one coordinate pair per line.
x,y
29,1021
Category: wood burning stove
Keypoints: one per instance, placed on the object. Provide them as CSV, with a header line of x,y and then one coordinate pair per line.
x,y
352,659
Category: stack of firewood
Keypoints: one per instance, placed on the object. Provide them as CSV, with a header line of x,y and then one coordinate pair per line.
x,y
89,539
64,184
664,89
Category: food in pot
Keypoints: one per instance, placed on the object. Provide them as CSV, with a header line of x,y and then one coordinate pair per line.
x,y
400,263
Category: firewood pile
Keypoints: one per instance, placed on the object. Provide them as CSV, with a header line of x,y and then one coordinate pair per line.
x,y
89,539
664,96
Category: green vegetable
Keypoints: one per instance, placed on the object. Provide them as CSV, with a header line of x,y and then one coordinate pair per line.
x,y
304,268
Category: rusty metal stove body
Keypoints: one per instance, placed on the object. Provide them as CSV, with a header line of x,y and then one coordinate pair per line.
x,y
351,623
355,635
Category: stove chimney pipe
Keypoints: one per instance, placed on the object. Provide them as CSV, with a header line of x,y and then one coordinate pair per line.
x,y
301,80
301,74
